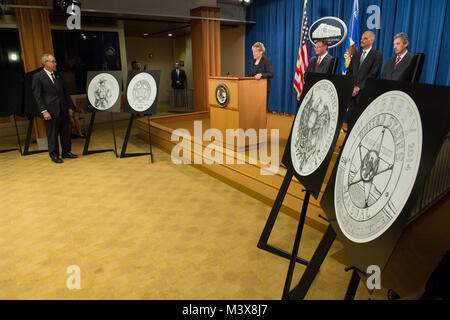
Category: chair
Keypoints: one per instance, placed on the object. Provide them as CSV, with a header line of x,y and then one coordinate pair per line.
x,y
333,66
417,66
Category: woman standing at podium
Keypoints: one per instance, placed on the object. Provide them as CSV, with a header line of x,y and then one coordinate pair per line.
x,y
261,67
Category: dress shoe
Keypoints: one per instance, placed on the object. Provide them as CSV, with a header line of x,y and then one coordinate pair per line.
x,y
56,159
69,155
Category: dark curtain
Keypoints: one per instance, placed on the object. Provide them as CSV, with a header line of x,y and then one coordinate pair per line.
x,y
278,27
11,74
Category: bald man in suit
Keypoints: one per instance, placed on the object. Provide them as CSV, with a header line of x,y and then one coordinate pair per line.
x,y
365,64
321,63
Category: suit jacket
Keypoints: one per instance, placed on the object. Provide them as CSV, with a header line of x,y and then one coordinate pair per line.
x,y
181,77
403,72
49,96
265,68
324,65
370,68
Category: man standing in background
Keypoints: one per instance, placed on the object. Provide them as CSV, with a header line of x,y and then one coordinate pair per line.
x,y
398,67
365,64
178,85
322,61
136,65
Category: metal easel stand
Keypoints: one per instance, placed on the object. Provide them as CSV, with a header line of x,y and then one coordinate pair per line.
x,y
298,237
264,238
26,148
18,139
301,289
123,153
86,150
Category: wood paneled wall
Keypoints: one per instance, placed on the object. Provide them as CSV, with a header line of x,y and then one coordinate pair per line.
x,y
206,60
35,37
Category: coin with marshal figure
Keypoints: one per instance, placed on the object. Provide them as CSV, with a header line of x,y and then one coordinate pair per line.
x,y
103,91
314,127
378,167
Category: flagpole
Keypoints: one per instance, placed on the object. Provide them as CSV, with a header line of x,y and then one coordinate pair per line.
x,y
353,18
303,21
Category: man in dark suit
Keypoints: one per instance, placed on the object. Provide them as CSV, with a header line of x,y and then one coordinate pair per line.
x,y
365,64
178,77
178,85
321,62
55,106
399,67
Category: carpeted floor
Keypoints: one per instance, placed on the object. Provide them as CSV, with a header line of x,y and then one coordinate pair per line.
x,y
142,231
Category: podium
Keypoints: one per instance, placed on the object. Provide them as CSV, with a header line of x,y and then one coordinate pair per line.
x,y
237,103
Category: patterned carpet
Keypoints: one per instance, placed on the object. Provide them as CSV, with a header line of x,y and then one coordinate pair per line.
x,y
142,231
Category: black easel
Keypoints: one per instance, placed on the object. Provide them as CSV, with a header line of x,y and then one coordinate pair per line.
x,y
26,148
263,240
18,139
86,150
298,237
123,153
301,289
353,284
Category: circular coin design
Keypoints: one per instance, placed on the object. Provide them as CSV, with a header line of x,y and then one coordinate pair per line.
x,y
314,127
222,95
103,91
141,92
378,167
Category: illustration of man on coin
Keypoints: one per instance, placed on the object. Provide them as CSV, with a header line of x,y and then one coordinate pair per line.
x,y
102,95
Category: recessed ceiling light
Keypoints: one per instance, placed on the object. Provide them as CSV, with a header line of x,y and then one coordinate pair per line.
x,y
170,35
145,34
13,57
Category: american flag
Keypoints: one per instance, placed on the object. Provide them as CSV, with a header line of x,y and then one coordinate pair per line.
x,y
303,55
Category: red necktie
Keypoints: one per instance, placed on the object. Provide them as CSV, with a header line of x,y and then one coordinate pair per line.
x,y
397,62
317,65
53,79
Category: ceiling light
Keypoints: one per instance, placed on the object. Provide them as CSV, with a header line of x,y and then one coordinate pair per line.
x,y
13,57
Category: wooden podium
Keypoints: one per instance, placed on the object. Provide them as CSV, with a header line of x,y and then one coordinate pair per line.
x,y
245,106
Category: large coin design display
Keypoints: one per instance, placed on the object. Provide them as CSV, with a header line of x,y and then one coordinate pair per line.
x,y
378,167
141,93
314,127
103,91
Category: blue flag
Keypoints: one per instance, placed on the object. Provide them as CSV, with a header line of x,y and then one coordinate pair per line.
x,y
352,45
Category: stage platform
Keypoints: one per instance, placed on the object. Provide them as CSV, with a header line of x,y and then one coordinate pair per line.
x,y
245,176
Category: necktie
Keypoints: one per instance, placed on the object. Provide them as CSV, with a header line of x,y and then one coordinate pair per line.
x,y
53,79
397,62
317,65
363,57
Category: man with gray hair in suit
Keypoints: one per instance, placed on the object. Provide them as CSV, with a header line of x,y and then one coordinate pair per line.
x,y
398,67
55,106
